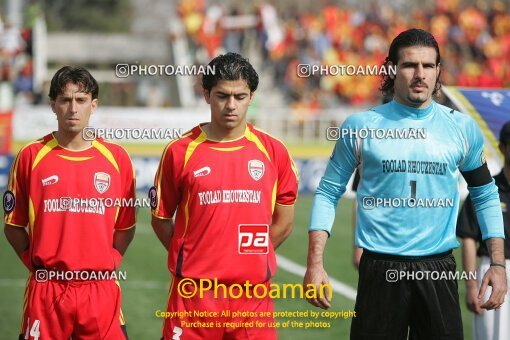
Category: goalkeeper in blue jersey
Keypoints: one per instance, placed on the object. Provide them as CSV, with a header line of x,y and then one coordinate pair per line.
x,y
409,153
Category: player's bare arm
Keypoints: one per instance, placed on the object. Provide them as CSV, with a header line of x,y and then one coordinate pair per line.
x,y
17,237
164,229
122,239
495,276
469,262
315,273
281,225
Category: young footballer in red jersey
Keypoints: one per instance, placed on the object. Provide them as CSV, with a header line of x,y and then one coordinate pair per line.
x,y
58,187
232,188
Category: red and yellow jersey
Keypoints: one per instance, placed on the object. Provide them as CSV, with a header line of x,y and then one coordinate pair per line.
x,y
71,202
223,193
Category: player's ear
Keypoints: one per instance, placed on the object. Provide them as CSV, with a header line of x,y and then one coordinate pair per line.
x,y
52,104
207,96
94,104
252,95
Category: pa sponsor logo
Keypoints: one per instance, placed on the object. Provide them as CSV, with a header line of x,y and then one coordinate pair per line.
x,y
256,169
253,239
101,182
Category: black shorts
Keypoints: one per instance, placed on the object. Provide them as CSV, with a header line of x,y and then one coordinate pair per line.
x,y
397,298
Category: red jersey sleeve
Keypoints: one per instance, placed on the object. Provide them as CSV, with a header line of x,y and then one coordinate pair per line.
x,y
16,198
126,217
287,187
166,185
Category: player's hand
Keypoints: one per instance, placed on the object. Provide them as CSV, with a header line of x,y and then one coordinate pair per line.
x,y
496,278
472,301
356,256
317,276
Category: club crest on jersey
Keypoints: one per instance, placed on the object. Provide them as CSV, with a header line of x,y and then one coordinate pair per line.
x,y
101,182
256,169
9,201
153,197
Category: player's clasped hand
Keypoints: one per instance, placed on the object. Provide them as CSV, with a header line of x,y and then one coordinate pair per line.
x,y
496,278
318,277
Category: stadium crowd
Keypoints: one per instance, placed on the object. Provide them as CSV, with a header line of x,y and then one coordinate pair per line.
x,y
474,40
16,58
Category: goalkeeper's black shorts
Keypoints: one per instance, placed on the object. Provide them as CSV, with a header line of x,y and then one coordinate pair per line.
x,y
400,296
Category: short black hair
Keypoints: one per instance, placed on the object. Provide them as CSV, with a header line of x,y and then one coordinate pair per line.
x,y
230,66
73,74
411,37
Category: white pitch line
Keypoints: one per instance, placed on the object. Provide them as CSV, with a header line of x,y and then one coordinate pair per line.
x,y
297,269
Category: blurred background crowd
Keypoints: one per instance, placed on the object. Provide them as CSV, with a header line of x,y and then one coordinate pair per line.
x,y
16,55
474,37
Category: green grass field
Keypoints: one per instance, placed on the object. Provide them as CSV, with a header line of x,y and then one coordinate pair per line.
x,y
145,289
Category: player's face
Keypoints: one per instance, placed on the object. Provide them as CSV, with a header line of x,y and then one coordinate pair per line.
x,y
73,108
229,101
416,76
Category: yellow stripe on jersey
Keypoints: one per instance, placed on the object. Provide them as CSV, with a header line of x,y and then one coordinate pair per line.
x,y
12,182
77,159
14,169
25,303
44,151
12,187
186,215
31,218
193,145
121,315
273,196
12,175
254,139
117,213
292,165
106,153
169,294
159,175
121,318
235,148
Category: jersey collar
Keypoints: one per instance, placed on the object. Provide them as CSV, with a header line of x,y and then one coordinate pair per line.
x,y
412,112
